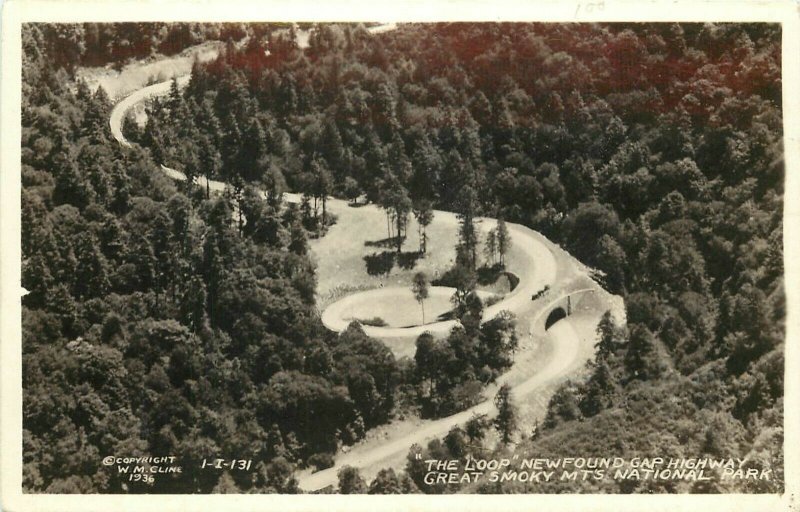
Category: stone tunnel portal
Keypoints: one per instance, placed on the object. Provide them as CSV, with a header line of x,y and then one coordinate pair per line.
x,y
557,314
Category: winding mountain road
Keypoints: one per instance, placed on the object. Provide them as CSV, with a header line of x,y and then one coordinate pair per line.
x,y
536,270
121,109
540,268
372,456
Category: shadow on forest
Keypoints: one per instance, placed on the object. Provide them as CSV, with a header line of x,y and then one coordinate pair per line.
x,y
381,263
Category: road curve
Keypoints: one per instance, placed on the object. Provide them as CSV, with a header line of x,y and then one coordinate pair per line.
x,y
338,316
162,88
540,269
121,109
563,360
537,270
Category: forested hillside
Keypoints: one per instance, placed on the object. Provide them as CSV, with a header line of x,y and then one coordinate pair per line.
x,y
154,324
71,45
158,322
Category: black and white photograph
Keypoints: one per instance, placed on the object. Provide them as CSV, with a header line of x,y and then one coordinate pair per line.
x,y
401,258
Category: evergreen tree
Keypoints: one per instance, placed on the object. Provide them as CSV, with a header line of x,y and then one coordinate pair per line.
x,y
193,304
322,186
563,406
386,482
298,243
499,340
503,240
153,139
397,204
471,313
209,162
610,338
456,442
464,280
599,390
476,428
352,190
37,280
425,360
490,247
275,185
144,263
423,212
467,232
350,481
641,359
71,186
91,273
506,420
251,151
95,119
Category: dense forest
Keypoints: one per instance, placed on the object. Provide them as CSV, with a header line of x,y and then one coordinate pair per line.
x,y
154,325
69,46
159,321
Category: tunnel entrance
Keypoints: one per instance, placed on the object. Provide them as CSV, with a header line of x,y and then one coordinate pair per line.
x,y
554,316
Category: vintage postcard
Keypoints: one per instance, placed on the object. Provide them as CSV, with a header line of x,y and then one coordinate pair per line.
x,y
263,256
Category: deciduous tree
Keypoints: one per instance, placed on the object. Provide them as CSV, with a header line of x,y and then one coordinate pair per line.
x,y
419,287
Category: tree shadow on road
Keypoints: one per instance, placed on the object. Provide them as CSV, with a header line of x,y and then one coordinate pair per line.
x,y
408,260
384,242
489,275
380,263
